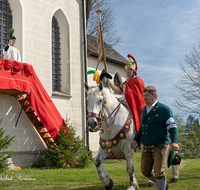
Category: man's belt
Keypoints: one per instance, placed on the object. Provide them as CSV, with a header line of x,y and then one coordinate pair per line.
x,y
149,148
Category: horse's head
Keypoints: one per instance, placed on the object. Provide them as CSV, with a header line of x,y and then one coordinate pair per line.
x,y
95,103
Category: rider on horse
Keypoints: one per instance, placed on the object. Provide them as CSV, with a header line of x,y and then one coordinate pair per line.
x,y
132,90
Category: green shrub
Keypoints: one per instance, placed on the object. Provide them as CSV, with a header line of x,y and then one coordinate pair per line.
x,y
188,154
5,142
196,141
184,141
69,149
194,153
192,134
190,144
198,149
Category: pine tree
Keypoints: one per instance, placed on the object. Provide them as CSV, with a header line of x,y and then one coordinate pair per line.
x,y
5,142
69,149
196,128
188,140
190,122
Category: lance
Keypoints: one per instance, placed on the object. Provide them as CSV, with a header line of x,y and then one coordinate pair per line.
x,y
100,44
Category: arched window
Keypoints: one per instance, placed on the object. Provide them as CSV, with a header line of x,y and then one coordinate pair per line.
x,y
61,71
5,24
56,56
117,80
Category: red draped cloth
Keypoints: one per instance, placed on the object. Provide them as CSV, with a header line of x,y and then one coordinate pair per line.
x,y
22,77
134,98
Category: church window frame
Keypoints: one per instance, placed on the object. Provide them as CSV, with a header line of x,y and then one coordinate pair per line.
x,y
6,21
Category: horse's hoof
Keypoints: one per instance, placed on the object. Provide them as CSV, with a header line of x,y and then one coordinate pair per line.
x,y
174,180
132,188
135,187
110,185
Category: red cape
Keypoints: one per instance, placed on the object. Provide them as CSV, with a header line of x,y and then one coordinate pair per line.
x,y
134,98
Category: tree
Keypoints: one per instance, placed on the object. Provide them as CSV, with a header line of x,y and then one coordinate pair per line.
x,y
196,128
188,139
189,145
188,83
69,149
108,21
180,123
5,142
190,122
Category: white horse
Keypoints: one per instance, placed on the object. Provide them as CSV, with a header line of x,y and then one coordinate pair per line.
x,y
116,131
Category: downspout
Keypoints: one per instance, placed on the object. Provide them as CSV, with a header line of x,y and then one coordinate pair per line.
x,y
85,64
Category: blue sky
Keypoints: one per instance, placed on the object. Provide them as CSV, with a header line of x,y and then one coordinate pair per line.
x,y
158,33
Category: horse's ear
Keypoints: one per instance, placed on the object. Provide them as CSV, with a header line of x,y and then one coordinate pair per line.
x,y
86,86
101,86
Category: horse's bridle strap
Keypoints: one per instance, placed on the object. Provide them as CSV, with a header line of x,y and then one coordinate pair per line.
x,y
91,114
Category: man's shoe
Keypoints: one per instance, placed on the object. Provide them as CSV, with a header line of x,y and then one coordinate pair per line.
x,y
151,184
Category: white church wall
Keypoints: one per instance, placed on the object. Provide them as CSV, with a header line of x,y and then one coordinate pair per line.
x,y
26,137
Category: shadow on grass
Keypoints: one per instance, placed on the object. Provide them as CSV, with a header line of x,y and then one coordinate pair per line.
x,y
119,187
187,178
111,161
115,187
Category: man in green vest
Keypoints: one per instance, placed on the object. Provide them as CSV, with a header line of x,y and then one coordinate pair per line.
x,y
156,124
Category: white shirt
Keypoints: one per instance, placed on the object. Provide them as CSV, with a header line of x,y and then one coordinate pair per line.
x,y
148,109
12,54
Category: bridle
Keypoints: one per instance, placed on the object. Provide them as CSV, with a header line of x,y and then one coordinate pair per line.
x,y
101,114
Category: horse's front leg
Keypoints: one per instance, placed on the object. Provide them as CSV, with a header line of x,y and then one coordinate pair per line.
x,y
129,154
102,173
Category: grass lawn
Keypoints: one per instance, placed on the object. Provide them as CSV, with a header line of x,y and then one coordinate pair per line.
x,y
86,179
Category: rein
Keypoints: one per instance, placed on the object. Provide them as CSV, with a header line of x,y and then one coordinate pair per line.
x,y
117,108
91,114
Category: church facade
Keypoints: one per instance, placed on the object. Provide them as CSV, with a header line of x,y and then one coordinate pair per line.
x,y
50,37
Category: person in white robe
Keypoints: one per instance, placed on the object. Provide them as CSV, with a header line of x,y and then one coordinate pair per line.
x,y
11,52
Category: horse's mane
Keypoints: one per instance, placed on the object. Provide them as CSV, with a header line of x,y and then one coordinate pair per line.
x,y
106,94
110,98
